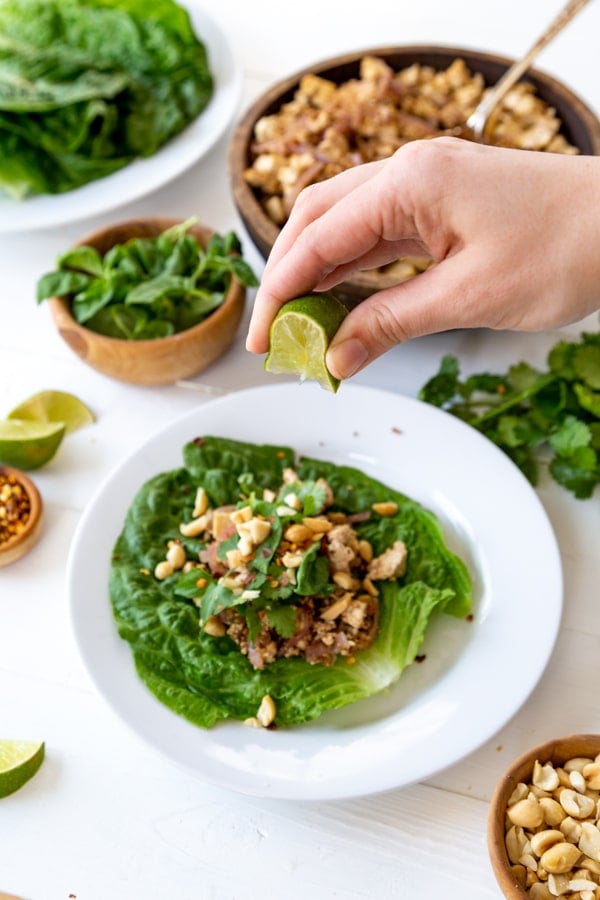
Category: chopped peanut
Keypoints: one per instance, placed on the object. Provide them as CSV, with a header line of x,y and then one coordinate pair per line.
x,y
560,851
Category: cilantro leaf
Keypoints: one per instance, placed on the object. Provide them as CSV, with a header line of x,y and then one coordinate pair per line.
x,y
282,619
579,472
531,414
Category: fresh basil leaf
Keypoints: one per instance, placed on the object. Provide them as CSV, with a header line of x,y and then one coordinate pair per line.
x,y
61,284
157,328
119,321
242,271
84,259
92,299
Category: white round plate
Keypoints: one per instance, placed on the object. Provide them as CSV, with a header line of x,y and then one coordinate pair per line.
x,y
144,175
442,708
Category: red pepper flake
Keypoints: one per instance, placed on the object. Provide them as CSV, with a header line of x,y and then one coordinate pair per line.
x,y
470,617
396,430
421,657
501,389
15,507
201,583
280,454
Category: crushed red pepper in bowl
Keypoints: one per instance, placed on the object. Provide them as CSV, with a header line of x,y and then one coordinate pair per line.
x,y
20,514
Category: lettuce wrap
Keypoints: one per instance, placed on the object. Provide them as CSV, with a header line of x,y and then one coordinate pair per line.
x,y
205,677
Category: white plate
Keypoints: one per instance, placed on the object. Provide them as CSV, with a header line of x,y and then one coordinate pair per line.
x,y
441,709
144,175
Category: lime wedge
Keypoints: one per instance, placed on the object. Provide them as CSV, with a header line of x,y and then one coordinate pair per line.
x,y
54,406
19,761
299,337
27,444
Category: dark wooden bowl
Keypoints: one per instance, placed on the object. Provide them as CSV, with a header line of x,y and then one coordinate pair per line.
x,y
581,127
557,751
162,360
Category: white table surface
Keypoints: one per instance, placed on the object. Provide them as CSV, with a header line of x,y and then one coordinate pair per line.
x,y
107,817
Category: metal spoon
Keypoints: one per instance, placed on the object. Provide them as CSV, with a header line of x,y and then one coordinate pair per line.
x,y
476,123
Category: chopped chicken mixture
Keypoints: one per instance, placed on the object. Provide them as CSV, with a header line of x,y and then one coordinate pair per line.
x,y
254,577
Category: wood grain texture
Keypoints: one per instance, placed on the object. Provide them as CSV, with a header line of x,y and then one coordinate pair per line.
x,y
20,544
162,360
556,751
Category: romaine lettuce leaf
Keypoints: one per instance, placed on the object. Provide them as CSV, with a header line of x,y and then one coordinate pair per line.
x,y
86,86
207,679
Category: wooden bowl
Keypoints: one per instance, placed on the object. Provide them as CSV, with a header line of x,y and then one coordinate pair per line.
x,y
580,126
15,547
556,751
161,360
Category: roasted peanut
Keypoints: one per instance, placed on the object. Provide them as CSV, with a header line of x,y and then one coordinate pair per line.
x,y
163,570
526,813
266,711
560,858
176,555
577,805
543,840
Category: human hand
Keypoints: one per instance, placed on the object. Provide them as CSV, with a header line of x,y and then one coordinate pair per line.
x,y
514,235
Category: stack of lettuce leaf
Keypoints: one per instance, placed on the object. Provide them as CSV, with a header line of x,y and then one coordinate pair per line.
x,y
207,679
87,86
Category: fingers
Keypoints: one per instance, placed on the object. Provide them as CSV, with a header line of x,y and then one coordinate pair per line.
x,y
314,249
431,302
276,287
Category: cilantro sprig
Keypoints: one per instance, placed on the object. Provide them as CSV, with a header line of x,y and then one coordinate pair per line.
x,y
536,417
149,287
278,595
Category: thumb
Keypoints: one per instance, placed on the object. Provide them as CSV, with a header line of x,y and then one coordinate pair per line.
x,y
439,299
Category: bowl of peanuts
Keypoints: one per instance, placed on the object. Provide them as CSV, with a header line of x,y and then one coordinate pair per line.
x,y
363,106
544,822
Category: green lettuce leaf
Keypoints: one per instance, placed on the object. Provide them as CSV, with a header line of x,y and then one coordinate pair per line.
x,y
76,106
207,679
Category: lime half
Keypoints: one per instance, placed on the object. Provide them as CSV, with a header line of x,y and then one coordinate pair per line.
x,y
300,335
54,406
27,444
19,761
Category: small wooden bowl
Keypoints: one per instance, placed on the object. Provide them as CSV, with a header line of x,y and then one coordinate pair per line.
x,y
162,360
556,751
17,546
580,126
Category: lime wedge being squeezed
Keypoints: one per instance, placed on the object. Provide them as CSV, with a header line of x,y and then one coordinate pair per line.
x,y
300,335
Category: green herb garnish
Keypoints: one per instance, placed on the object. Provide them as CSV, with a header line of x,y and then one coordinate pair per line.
x,y
148,287
535,417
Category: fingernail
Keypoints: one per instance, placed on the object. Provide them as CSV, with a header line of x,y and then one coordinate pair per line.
x,y
346,358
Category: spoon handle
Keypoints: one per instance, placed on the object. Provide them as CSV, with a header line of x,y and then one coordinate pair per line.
x,y
479,116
